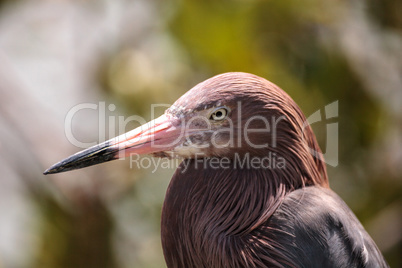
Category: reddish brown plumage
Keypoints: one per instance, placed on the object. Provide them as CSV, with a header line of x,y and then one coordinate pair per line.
x,y
213,204
259,97
224,217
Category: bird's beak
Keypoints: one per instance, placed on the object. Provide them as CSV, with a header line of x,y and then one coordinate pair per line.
x,y
159,135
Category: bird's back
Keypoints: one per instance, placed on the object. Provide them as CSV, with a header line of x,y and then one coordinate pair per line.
x,y
317,229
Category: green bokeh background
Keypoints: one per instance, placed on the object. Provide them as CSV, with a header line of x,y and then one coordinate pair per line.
x,y
132,54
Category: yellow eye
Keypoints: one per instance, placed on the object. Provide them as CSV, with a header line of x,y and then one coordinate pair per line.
x,y
219,114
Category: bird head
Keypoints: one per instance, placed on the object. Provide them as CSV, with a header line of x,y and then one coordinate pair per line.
x,y
229,115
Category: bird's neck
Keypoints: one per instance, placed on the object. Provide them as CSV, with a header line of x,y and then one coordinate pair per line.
x,y
207,204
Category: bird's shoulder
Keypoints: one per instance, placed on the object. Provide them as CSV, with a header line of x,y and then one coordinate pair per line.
x,y
320,230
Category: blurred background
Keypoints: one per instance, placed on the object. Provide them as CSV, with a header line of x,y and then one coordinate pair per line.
x,y
123,56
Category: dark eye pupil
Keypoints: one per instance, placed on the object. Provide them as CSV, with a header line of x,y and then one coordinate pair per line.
x,y
218,114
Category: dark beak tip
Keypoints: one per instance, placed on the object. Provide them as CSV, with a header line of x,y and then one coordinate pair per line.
x,y
57,168
53,169
95,155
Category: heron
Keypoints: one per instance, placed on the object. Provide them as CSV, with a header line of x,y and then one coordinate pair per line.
x,y
252,189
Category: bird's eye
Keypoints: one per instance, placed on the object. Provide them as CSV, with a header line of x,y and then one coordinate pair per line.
x,y
219,114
